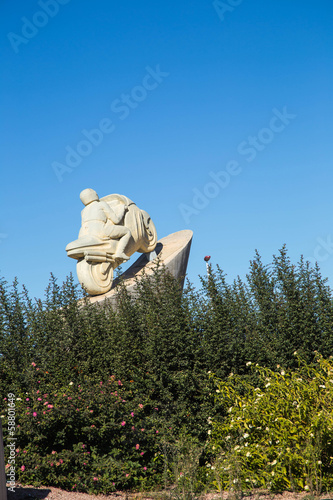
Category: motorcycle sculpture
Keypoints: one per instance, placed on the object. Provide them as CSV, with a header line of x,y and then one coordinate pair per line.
x,y
113,228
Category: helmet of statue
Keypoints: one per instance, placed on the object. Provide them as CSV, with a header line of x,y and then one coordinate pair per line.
x,y
88,195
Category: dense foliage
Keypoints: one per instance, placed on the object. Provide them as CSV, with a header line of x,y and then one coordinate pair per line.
x,y
81,370
278,435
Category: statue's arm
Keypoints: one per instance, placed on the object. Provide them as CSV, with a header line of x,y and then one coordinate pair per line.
x,y
111,214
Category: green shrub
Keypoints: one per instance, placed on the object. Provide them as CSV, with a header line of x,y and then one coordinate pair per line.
x,y
87,437
278,435
161,345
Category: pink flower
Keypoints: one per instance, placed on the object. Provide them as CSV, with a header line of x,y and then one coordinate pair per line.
x,y
132,414
91,411
101,383
83,446
133,428
39,399
156,432
127,475
156,409
119,382
145,468
27,399
50,406
92,426
142,430
123,423
113,484
33,364
37,392
51,464
140,405
84,463
53,452
137,446
142,453
23,468
61,461
95,478
34,414
24,451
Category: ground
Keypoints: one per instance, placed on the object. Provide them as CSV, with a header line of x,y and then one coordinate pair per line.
x,y
50,493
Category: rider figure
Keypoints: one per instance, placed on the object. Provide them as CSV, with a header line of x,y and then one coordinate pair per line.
x,y
99,219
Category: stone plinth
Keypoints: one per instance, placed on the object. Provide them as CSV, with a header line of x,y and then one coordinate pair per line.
x,y
173,252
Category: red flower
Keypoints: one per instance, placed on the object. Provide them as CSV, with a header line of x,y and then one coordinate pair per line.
x,y
207,258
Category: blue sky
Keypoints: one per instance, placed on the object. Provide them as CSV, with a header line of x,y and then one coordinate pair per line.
x,y
212,116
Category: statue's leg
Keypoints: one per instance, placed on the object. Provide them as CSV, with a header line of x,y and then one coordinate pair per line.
x,y
124,235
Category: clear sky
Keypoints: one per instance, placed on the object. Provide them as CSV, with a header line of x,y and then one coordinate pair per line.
x,y
211,116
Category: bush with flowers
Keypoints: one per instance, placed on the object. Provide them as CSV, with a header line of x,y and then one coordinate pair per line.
x,y
277,435
122,383
85,437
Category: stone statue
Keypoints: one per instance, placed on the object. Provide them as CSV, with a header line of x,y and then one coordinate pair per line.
x,y
101,220
112,229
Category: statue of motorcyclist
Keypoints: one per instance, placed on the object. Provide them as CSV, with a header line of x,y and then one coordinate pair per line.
x,y
99,219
